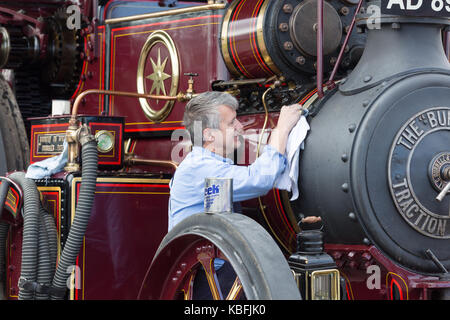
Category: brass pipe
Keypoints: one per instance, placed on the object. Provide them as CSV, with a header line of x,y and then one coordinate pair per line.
x,y
266,117
117,93
151,162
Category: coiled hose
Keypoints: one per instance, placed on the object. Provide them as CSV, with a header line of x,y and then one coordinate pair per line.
x,y
46,266
30,231
52,235
39,242
78,228
38,278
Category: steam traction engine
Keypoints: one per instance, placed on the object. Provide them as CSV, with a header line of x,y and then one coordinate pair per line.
x,y
103,85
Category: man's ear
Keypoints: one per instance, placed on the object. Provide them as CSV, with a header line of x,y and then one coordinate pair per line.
x,y
207,135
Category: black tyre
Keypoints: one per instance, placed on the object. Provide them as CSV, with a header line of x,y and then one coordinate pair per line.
x,y
14,147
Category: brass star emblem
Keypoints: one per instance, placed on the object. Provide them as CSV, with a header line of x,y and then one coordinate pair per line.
x,y
158,76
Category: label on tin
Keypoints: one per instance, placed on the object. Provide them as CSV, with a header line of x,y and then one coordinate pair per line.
x,y
218,195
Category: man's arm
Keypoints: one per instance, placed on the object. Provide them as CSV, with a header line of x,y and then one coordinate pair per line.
x,y
258,178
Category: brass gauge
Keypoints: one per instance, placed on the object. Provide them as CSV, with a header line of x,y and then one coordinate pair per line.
x,y
105,141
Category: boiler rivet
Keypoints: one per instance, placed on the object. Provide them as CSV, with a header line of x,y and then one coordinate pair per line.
x,y
367,78
352,216
344,157
352,127
345,187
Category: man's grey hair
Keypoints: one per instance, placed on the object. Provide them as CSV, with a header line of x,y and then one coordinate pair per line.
x,y
202,112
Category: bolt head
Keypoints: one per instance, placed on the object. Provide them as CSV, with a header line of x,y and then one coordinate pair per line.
x,y
288,45
288,8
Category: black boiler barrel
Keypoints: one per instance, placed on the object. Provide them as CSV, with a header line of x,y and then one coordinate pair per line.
x,y
378,149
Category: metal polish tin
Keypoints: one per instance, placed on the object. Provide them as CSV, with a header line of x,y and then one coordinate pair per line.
x,y
218,195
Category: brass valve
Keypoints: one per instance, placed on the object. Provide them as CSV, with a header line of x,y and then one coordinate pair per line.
x,y
190,93
72,146
75,135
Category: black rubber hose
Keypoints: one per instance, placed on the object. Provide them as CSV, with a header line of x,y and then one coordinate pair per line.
x,y
44,271
52,235
30,231
47,251
4,229
82,214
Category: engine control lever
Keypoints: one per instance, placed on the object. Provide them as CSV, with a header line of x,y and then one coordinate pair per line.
x,y
444,191
445,275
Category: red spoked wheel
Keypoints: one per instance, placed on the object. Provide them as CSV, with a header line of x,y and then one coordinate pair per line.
x,y
198,261
187,253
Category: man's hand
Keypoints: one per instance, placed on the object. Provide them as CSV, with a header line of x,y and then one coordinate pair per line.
x,y
289,116
311,219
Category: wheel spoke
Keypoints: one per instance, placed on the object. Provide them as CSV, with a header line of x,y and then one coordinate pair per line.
x,y
187,287
235,291
211,276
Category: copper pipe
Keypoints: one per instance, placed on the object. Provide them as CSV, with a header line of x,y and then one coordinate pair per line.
x,y
115,93
160,163
319,63
330,82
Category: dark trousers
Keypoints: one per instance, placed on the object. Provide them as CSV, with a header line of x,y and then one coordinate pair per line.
x,y
226,277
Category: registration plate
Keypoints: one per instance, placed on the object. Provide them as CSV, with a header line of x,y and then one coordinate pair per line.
x,y
425,8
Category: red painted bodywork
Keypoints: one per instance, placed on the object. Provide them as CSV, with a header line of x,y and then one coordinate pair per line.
x,y
128,221
370,275
126,227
